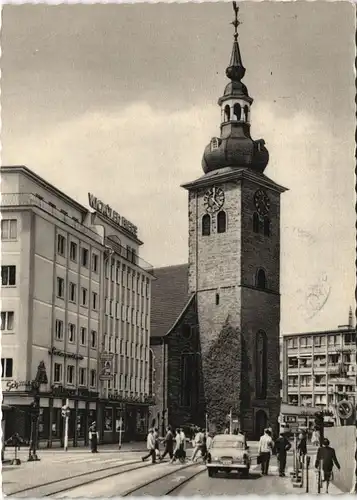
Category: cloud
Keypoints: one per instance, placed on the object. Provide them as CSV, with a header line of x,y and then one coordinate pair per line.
x,y
136,157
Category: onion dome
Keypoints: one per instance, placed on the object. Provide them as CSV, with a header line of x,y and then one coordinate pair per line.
x,y
235,147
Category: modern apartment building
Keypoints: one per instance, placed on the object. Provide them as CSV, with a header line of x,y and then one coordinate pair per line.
x,y
319,368
62,312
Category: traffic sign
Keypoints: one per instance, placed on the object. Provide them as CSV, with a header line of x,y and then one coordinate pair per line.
x,y
344,409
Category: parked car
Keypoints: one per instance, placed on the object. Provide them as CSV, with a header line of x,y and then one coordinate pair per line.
x,y
228,453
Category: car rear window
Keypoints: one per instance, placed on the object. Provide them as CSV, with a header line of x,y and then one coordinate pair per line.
x,y
228,444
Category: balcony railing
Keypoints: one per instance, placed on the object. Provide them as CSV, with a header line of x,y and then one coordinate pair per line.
x,y
29,199
128,255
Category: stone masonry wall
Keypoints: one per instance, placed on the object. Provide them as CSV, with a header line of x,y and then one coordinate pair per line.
x,y
222,270
177,344
261,308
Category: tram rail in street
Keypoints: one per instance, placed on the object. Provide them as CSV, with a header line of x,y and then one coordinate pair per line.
x,y
82,479
158,485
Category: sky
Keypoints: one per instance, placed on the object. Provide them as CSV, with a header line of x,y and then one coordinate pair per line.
x,y
121,100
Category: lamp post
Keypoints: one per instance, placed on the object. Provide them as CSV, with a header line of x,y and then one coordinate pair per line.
x,y
34,414
41,378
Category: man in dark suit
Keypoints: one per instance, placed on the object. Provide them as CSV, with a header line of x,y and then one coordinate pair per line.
x,y
281,448
327,456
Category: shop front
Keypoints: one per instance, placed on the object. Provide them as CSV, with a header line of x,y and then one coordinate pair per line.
x,y
129,418
83,405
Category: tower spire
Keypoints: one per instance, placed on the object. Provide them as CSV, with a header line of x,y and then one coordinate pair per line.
x,y
235,70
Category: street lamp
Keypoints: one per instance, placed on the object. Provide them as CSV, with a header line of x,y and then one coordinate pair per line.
x,y
41,378
34,414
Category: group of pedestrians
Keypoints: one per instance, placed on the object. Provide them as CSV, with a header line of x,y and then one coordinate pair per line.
x,y
325,457
174,445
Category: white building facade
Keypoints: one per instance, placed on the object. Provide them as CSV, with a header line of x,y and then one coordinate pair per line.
x,y
53,313
319,368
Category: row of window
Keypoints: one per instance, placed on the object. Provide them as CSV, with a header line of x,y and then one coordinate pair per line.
x,y
71,334
221,223
307,400
319,360
237,113
120,273
127,313
124,347
127,383
8,229
73,253
72,294
71,375
7,371
260,224
332,340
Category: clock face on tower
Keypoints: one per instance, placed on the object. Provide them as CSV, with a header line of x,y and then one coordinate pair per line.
x,y
213,199
261,202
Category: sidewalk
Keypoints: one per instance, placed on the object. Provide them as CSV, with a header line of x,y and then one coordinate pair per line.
x,y
131,447
332,490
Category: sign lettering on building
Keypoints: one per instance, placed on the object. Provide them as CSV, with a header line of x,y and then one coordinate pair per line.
x,y
57,352
14,384
111,214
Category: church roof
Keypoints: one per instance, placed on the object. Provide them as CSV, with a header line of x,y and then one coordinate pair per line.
x,y
169,297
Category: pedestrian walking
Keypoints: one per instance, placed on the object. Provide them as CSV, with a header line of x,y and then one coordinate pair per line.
x,y
209,441
157,442
281,447
265,449
315,438
178,447
198,444
93,438
302,448
150,445
183,445
169,443
327,455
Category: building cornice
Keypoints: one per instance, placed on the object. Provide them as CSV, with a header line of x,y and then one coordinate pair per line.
x,y
322,332
231,174
22,169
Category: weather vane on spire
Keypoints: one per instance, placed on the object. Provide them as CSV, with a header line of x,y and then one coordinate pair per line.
x,y
236,21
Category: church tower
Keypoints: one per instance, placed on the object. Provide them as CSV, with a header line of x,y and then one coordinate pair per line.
x,y
234,266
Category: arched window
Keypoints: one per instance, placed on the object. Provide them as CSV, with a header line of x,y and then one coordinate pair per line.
x,y
246,113
188,370
261,281
237,111
227,113
221,222
261,365
266,226
256,222
151,373
206,225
